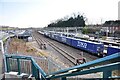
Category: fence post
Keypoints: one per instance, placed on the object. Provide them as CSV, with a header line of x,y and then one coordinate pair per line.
x,y
18,63
38,76
42,78
7,64
35,71
63,78
107,74
47,79
32,67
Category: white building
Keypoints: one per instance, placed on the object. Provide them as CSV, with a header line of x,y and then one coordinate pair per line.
x,y
119,10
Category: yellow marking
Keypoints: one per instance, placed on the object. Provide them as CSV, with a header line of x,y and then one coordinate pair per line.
x,y
42,53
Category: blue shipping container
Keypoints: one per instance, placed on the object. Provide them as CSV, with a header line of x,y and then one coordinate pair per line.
x,y
69,41
112,50
88,46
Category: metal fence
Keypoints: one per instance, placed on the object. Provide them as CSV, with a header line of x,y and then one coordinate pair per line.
x,y
30,65
103,66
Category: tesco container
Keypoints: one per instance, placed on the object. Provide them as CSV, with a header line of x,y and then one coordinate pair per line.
x,y
92,47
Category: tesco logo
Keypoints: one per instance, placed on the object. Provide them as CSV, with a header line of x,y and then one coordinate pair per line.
x,y
82,44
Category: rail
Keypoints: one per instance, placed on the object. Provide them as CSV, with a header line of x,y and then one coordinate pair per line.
x,y
105,65
40,42
64,53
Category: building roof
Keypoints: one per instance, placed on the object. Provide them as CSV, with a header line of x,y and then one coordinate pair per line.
x,y
112,23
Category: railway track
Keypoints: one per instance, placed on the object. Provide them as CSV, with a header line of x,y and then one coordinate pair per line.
x,y
40,42
64,53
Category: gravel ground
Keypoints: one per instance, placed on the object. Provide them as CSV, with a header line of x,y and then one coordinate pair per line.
x,y
53,55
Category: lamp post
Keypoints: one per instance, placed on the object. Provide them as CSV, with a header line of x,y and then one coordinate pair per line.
x,y
3,53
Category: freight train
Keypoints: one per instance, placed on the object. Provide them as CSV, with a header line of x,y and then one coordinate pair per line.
x,y
89,46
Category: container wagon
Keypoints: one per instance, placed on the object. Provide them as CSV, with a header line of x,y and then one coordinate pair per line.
x,y
92,47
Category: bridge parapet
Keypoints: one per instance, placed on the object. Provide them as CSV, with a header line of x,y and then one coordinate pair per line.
x,y
105,65
30,66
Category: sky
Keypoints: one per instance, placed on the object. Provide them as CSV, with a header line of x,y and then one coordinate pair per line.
x,y
40,13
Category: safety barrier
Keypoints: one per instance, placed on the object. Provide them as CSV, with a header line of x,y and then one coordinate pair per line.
x,y
105,65
36,71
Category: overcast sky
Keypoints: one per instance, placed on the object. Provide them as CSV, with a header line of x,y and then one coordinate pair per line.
x,y
39,13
